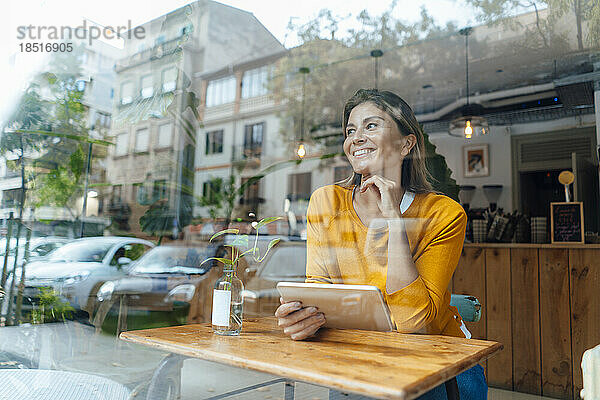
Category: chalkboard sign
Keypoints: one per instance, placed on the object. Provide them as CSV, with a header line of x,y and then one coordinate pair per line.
x,y
566,222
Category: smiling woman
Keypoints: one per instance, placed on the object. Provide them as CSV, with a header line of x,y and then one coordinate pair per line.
x,y
384,227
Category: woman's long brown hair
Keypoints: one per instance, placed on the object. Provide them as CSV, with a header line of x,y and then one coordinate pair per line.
x,y
415,177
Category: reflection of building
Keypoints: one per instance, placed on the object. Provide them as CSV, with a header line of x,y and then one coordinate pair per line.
x,y
244,133
156,101
95,63
539,102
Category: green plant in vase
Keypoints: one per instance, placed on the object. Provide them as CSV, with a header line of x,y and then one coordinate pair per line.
x,y
228,302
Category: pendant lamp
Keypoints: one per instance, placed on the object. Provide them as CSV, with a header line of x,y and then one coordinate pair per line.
x,y
471,123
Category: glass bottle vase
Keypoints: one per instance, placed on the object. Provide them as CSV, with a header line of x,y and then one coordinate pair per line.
x,y
227,303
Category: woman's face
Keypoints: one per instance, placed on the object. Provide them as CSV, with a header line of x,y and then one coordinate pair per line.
x,y
374,144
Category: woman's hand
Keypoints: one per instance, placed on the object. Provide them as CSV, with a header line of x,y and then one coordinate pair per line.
x,y
299,322
388,195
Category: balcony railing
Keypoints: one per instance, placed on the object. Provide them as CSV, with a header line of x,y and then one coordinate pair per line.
x,y
247,153
157,51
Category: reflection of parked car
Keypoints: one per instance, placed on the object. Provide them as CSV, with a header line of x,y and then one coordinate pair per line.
x,y
167,286
286,262
77,269
38,248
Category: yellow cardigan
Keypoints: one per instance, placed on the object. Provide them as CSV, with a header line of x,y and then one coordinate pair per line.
x,y
340,249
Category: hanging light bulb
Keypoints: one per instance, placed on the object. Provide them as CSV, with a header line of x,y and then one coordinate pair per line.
x,y
471,123
301,150
468,130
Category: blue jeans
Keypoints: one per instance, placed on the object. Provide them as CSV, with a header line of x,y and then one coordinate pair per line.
x,y
471,386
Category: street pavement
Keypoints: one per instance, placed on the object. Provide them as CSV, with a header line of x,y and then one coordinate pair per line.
x,y
76,347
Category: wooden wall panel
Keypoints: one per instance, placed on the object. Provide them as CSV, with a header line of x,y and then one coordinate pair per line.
x,y
555,323
498,294
526,326
469,278
585,306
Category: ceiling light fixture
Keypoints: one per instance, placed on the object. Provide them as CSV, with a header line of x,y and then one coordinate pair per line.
x,y
301,150
470,124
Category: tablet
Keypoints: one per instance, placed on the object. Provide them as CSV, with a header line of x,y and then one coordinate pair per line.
x,y
344,306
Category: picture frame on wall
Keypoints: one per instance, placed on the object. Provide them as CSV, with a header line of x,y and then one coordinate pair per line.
x,y
476,161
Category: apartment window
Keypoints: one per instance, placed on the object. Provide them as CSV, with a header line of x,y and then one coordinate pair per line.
x,y
342,172
141,140
126,92
210,190
250,196
299,186
253,138
139,194
220,91
147,90
169,80
165,135
122,144
254,82
102,120
160,190
214,142
117,193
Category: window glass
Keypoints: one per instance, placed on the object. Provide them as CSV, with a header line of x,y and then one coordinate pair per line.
x,y
169,80
299,186
147,89
82,251
165,135
214,142
172,260
122,144
133,251
141,139
220,91
254,82
126,92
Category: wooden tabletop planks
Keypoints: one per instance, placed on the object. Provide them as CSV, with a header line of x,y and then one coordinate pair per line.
x,y
386,365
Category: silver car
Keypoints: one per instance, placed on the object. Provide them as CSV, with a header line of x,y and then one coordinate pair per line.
x,y
78,269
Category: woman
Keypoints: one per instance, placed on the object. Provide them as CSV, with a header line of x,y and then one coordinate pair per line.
x,y
385,227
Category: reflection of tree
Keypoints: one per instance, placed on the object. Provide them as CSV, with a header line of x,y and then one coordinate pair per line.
x,y
584,11
339,67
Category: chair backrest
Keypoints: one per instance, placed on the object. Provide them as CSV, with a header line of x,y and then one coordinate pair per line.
x,y
468,307
590,368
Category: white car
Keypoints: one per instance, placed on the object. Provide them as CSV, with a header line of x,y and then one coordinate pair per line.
x,y
38,248
78,269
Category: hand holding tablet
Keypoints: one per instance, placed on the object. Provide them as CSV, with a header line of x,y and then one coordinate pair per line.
x,y
344,306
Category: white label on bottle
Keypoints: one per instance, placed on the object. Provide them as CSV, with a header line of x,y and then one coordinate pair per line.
x,y
221,307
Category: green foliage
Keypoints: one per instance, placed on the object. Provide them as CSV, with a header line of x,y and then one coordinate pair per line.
x,y
501,11
57,187
220,201
240,246
51,308
340,67
441,175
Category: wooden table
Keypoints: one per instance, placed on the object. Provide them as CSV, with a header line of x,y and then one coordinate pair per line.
x,y
386,365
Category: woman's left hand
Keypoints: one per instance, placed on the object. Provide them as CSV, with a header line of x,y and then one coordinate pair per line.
x,y
387,195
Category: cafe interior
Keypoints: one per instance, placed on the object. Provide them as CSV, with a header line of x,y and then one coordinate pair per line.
x,y
149,188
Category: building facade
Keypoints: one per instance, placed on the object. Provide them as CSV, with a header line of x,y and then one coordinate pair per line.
x,y
157,100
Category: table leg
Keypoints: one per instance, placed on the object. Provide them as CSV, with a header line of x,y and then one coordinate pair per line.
x,y
166,380
452,389
289,390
